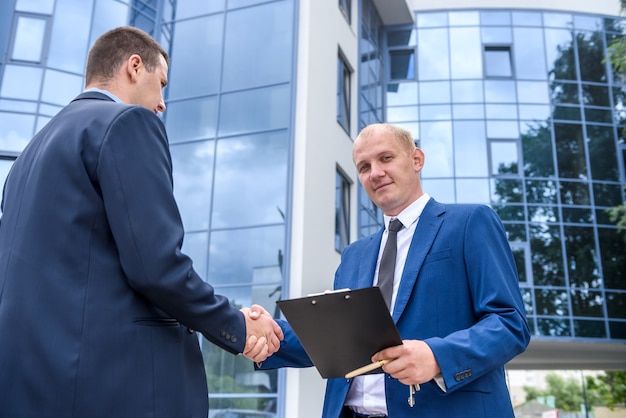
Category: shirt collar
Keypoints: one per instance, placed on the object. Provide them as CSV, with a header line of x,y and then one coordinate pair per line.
x,y
411,213
106,92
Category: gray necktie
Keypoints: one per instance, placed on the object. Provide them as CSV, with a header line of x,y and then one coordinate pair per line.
x,y
388,261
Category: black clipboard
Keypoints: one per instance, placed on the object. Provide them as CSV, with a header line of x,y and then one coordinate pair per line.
x,y
341,330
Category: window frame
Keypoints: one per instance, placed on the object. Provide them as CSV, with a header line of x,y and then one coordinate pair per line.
x,y
344,92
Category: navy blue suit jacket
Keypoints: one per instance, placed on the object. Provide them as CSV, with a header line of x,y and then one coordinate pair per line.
x,y
459,292
97,302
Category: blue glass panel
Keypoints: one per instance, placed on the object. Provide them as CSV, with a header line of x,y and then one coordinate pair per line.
x,y
402,37
472,191
532,92
529,54
470,158
70,35
402,114
255,110
434,92
432,20
500,91
559,20
592,23
402,94
464,18
432,54
232,4
501,111
196,71
193,179
502,129
111,14
602,153
18,106
237,256
504,158
21,82
435,112
192,8
537,150
526,19
5,166
496,35
250,180
613,258
582,264
495,18
15,131
470,91
191,119
258,46
553,327
534,112
440,189
35,6
468,111
570,151
560,57
465,53
498,62
437,145
60,88
29,36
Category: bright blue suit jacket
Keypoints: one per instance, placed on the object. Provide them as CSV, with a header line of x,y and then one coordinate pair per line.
x,y
97,302
459,292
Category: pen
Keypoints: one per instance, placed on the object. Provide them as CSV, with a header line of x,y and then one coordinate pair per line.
x,y
367,368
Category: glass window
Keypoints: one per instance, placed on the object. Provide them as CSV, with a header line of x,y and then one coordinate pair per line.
x,y
29,39
191,119
434,92
256,167
532,92
504,158
467,91
403,94
258,46
582,265
616,304
547,258
502,129
193,178
498,61
589,329
537,150
574,193
342,211
5,166
495,18
613,258
35,6
554,327
561,60
496,35
60,88
263,248
559,20
402,65
192,8
501,111
255,110
468,111
70,35
111,14
591,56
472,191
21,82
344,92
432,54
403,37
570,151
465,59
470,158
432,20
526,19
464,18
346,9
196,71
500,91
529,54
437,145
402,113
435,112
15,131
196,246
534,112
441,189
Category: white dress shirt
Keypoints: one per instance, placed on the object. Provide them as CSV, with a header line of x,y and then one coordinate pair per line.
x,y
367,393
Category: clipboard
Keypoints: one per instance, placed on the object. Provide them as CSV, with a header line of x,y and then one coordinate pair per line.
x,y
342,330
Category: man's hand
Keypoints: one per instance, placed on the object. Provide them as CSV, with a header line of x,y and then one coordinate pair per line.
x,y
263,335
413,362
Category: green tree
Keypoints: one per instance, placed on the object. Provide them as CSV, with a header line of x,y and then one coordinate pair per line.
x,y
567,392
610,388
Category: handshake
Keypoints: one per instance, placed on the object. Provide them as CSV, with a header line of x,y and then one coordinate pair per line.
x,y
263,335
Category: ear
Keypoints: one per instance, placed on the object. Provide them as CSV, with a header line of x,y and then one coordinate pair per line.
x,y
133,65
418,159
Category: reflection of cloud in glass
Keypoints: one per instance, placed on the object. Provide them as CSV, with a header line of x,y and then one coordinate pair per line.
x,y
29,39
21,82
251,172
465,53
15,131
70,35
432,54
35,6
436,141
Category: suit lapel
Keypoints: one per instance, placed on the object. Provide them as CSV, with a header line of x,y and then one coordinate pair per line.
x,y
425,232
370,252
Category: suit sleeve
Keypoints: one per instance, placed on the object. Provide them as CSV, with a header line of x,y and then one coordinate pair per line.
x,y
500,331
291,353
135,176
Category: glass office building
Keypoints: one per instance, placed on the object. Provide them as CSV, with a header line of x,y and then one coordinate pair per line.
x,y
514,107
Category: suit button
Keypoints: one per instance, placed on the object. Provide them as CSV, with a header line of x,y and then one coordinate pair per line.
x,y
233,339
189,330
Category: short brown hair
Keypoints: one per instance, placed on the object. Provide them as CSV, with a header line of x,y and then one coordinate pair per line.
x,y
114,47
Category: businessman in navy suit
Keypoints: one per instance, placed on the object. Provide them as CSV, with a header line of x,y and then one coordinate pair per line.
x,y
99,307
455,299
